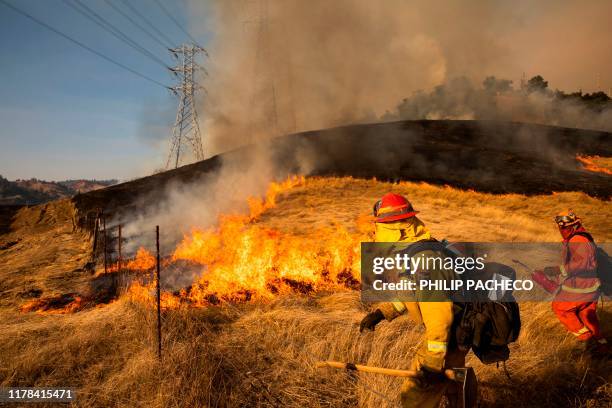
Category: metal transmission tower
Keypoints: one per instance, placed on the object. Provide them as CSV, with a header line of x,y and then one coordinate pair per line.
x,y
186,130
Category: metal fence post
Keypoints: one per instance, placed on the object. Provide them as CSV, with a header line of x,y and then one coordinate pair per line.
x,y
105,244
159,334
117,274
120,258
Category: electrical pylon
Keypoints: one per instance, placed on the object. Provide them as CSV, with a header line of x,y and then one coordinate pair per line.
x,y
186,130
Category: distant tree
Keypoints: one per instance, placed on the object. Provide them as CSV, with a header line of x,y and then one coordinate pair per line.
x,y
494,85
559,94
597,101
600,97
537,84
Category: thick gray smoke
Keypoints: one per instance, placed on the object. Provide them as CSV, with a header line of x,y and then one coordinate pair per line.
x,y
278,66
496,99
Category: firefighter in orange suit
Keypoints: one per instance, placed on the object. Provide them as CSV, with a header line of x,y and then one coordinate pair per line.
x,y
575,282
396,222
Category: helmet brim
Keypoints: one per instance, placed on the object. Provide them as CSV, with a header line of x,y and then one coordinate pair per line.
x,y
397,217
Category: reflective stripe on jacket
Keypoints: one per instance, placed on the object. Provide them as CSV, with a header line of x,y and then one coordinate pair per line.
x,y
579,282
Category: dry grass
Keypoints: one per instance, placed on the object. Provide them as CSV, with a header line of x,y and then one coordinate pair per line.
x,y
262,354
452,213
45,253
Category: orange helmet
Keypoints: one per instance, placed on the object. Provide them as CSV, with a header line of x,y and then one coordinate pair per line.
x,y
393,207
567,218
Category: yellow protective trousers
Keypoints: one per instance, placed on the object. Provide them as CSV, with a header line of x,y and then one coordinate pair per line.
x,y
418,393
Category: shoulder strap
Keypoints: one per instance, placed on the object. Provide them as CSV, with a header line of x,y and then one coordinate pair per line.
x,y
584,234
423,245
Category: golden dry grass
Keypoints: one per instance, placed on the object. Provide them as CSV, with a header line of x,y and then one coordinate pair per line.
x,y
46,252
262,354
452,213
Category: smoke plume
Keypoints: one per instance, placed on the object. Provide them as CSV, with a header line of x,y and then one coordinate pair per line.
x,y
279,66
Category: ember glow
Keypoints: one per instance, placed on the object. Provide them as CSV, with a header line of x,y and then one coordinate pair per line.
x,y
592,163
242,260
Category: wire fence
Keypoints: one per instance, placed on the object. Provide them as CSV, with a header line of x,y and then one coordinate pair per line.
x,y
108,250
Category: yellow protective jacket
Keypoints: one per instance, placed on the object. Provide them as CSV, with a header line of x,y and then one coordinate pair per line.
x,y
437,317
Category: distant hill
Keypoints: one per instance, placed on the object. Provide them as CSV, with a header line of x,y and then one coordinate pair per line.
x,y
34,191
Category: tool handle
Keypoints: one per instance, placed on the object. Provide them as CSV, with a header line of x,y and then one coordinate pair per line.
x,y
450,374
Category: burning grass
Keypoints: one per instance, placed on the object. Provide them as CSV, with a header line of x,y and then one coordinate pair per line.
x,y
293,247
242,260
596,164
65,303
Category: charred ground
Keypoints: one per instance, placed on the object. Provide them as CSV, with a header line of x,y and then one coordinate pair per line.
x,y
488,156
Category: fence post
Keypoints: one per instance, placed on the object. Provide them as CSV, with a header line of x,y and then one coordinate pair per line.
x,y
117,275
120,258
96,233
105,247
159,334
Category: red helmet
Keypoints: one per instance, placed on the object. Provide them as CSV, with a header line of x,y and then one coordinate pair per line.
x,y
393,207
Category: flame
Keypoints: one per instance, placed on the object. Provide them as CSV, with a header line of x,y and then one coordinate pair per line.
x,y
241,260
145,293
61,304
258,206
590,163
143,260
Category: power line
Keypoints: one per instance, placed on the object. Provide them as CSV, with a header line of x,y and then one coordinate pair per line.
x,y
80,44
169,42
131,20
91,15
171,17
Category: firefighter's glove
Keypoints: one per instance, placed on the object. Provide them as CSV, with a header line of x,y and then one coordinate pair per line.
x,y
371,320
540,278
427,378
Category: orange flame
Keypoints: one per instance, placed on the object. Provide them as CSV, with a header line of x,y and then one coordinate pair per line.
x,y
62,304
242,261
145,293
590,163
143,261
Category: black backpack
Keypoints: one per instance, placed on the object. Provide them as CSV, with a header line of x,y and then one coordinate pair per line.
x,y
487,327
604,265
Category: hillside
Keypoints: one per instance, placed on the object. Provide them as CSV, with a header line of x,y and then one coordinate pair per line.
x,y
33,191
489,156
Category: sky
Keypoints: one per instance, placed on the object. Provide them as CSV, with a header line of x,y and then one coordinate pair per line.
x,y
67,113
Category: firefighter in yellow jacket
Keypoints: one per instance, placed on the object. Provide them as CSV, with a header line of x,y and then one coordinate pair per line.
x,y
396,222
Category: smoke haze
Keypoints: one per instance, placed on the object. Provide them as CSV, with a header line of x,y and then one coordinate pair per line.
x,y
284,66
